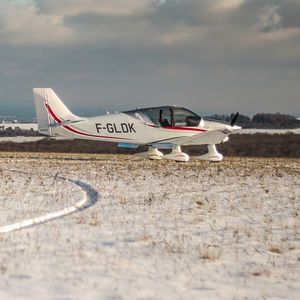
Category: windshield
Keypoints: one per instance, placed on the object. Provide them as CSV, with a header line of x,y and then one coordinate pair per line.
x,y
172,116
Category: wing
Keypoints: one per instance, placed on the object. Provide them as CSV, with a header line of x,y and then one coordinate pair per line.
x,y
203,138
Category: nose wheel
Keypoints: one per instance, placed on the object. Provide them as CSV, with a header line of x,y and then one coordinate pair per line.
x,y
211,155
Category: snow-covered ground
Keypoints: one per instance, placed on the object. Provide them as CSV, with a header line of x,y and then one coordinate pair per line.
x,y
159,230
20,139
268,131
27,139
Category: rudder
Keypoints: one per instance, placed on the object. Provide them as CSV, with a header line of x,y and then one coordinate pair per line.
x,y
50,110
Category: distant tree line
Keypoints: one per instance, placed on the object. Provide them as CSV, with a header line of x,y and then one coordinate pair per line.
x,y
257,145
18,132
242,145
261,120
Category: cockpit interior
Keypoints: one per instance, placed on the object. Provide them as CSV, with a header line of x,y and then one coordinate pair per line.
x,y
171,116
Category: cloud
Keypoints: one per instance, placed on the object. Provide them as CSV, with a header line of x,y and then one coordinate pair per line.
x,y
270,20
103,7
132,50
289,10
20,24
228,4
146,23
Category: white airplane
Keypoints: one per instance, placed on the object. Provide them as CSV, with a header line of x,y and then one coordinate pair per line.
x,y
164,127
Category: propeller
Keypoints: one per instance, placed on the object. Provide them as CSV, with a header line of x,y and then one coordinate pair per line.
x,y
234,119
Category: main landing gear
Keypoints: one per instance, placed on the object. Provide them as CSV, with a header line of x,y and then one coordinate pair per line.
x,y
177,155
152,153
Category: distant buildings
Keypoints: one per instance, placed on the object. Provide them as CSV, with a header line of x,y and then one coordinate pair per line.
x,y
15,119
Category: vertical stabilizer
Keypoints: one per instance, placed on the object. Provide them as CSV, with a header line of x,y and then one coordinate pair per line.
x,y
50,110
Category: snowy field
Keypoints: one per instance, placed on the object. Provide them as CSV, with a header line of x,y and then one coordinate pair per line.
x,y
268,131
27,139
149,230
20,139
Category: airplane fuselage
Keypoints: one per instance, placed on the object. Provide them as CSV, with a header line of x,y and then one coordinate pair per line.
x,y
120,127
158,127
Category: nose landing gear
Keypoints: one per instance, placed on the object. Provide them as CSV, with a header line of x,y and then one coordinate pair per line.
x,y
211,155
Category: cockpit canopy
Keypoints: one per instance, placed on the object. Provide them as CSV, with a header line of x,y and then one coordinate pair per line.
x,y
171,116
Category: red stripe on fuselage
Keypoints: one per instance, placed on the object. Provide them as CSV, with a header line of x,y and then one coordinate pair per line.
x,y
177,128
97,136
78,132
185,128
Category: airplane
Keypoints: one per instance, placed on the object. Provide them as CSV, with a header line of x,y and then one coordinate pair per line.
x,y
163,127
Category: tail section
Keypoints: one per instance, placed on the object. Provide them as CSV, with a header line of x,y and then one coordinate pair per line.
x,y
50,111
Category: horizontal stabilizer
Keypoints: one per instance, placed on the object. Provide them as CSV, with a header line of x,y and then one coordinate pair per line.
x,y
68,122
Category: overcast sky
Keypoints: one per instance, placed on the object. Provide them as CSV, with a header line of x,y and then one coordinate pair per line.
x,y
211,56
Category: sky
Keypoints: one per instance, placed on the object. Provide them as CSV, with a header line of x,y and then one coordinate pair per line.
x,y
211,56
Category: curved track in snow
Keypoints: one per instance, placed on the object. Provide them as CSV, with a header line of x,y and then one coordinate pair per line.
x,y
90,198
